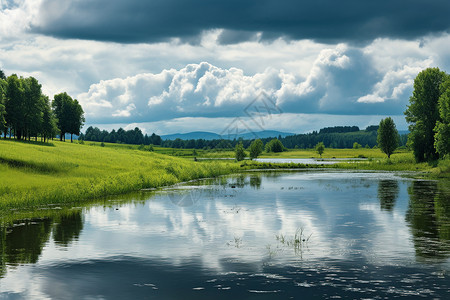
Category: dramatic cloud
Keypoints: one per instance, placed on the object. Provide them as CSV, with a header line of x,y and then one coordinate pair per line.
x,y
175,63
136,21
17,16
341,81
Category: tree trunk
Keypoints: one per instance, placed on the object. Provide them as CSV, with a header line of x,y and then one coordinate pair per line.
x,y
71,138
61,136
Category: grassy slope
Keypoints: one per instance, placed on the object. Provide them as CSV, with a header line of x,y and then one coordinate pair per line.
x,y
33,174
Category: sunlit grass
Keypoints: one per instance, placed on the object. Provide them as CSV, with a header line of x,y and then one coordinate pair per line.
x,y
32,174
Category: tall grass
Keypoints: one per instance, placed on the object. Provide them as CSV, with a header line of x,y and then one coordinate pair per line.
x,y
33,175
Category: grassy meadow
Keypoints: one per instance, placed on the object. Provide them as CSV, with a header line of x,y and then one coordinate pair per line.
x,y
33,173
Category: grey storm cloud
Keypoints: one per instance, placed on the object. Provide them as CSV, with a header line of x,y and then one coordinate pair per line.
x,y
136,21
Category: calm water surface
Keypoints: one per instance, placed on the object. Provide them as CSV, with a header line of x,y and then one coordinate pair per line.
x,y
309,161
294,235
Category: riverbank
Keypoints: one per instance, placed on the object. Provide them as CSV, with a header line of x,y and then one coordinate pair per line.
x,y
37,174
34,174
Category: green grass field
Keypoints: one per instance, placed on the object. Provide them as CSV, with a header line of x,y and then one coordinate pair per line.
x,y
32,174
37,174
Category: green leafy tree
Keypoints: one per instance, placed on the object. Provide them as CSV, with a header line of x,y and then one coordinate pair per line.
x,y
442,129
387,137
256,148
69,115
320,148
2,75
76,119
15,111
422,114
274,145
239,152
33,107
49,128
3,127
356,145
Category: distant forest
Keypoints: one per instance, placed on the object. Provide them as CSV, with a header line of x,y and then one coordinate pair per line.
x,y
332,137
121,136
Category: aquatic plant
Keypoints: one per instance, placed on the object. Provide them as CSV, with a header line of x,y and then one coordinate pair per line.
x,y
298,242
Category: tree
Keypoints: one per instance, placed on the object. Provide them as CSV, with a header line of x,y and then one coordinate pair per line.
x,y
239,152
48,120
274,145
3,127
320,148
356,145
32,107
69,114
256,148
442,129
422,114
15,105
60,107
2,75
387,138
75,119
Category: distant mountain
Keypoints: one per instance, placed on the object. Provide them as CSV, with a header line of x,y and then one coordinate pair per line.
x,y
196,135
264,134
214,136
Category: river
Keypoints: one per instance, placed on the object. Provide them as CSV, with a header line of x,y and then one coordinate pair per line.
x,y
259,235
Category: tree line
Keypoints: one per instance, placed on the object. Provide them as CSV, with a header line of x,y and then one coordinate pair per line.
x,y
339,129
134,136
338,137
26,112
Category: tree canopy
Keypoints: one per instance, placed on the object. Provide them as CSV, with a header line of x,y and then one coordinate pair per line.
x,y
442,129
256,148
387,136
134,136
69,114
320,148
423,113
239,152
274,145
26,112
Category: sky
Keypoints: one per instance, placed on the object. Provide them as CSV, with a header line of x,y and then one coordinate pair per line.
x,y
170,66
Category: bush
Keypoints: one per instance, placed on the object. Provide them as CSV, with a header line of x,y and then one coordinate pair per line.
x,y
274,145
239,152
356,145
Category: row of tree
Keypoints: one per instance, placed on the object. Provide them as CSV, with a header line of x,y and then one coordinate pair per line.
x,y
26,112
338,140
134,136
339,129
333,137
256,148
429,115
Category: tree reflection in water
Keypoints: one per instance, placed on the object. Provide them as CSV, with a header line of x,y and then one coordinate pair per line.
x,y
428,216
22,241
388,194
